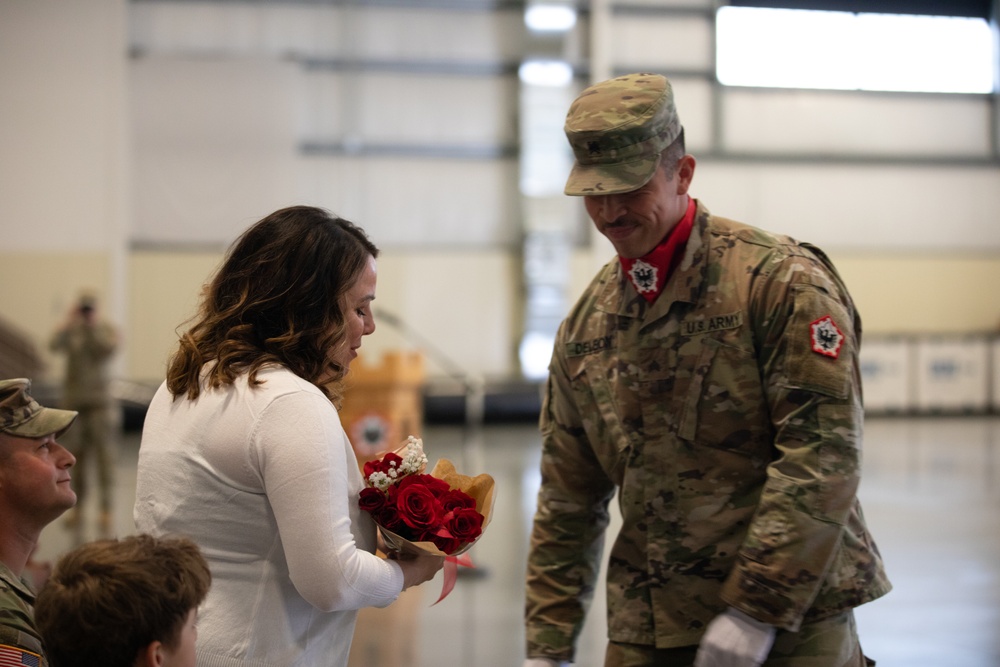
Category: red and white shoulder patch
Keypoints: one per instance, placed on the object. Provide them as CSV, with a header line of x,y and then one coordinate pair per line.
x,y
826,336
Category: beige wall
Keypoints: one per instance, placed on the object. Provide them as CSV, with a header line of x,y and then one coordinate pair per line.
x,y
163,294
64,163
904,293
40,288
924,293
440,297
461,303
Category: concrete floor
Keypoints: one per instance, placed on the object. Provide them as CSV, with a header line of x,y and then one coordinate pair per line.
x,y
931,495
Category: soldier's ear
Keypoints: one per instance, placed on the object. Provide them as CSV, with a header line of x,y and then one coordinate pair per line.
x,y
685,173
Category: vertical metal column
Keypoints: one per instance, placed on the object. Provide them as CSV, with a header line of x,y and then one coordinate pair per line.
x,y
546,90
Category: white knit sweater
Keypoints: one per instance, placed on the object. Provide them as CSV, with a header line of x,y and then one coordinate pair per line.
x,y
266,482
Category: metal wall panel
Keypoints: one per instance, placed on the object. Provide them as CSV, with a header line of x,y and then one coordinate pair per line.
x,y
827,123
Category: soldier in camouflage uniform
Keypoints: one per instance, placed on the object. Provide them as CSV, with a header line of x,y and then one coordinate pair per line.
x,y
710,375
88,343
34,491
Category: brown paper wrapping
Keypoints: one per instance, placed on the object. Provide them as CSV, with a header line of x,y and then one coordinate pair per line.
x,y
481,488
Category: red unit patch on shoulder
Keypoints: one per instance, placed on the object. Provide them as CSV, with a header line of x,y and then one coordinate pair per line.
x,y
826,336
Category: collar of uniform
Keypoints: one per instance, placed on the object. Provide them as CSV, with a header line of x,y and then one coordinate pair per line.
x,y
688,279
661,261
609,297
17,583
685,284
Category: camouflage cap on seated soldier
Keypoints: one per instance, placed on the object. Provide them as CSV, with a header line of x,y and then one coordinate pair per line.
x,y
617,129
22,416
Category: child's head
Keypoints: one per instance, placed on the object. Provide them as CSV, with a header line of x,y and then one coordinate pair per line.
x,y
120,603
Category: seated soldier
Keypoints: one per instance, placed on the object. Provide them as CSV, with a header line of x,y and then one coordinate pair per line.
x,y
34,491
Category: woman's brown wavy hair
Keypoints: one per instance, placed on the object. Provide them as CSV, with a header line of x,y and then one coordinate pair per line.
x,y
276,299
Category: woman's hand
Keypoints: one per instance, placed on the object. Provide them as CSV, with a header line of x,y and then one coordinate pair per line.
x,y
417,569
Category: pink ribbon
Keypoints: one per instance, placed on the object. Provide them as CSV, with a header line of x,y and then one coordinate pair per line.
x,y
451,564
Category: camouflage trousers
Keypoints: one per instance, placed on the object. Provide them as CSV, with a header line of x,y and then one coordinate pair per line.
x,y
88,441
832,642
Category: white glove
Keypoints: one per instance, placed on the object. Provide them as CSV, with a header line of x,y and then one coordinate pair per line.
x,y
541,662
733,639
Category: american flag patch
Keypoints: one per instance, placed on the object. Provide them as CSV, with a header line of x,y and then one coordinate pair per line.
x,y
16,657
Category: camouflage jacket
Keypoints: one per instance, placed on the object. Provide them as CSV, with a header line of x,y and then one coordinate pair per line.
x,y
728,416
88,349
17,626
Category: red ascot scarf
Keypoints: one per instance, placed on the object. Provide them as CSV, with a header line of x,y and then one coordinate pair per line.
x,y
649,273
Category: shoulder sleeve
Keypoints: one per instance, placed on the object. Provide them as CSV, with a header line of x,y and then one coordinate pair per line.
x,y
304,460
18,636
569,525
58,340
13,654
807,334
105,339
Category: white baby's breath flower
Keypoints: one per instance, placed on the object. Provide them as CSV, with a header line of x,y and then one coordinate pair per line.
x,y
379,480
414,460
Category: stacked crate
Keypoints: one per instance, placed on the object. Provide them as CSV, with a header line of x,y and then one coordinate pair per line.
x,y
382,405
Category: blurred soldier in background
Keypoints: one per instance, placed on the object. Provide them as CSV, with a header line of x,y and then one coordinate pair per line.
x,y
88,343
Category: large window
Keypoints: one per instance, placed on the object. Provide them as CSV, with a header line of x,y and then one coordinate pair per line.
x,y
792,48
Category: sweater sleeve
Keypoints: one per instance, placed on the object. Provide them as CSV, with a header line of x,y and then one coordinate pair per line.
x,y
305,463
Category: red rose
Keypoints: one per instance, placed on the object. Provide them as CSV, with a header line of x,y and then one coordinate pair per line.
x,y
371,499
466,525
388,462
437,487
457,499
418,507
388,517
445,544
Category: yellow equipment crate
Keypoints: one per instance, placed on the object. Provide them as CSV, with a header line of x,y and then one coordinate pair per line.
x,y
383,404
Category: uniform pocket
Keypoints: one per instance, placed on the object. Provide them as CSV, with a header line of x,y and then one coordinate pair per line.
x,y
723,403
593,390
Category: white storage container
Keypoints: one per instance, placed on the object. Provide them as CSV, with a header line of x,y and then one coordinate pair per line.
x,y
887,374
952,374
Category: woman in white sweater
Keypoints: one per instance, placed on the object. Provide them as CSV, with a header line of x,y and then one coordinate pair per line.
x,y
243,451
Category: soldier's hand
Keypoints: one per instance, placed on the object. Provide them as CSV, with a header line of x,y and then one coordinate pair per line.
x,y
733,639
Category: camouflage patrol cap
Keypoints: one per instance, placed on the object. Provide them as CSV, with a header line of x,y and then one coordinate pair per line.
x,y
21,415
617,129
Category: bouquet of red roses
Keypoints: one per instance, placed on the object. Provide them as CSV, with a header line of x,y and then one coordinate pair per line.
x,y
442,513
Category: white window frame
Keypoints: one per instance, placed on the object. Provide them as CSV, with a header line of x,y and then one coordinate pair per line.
x,y
834,50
